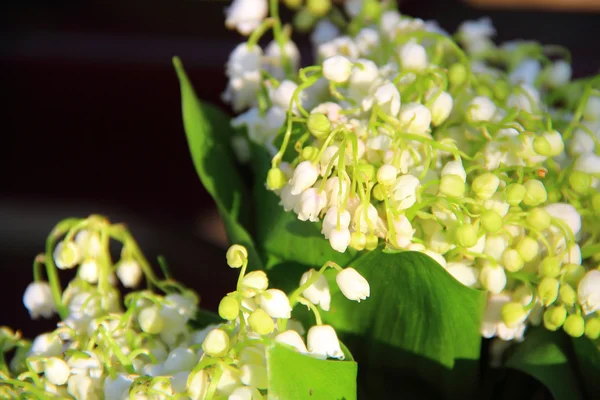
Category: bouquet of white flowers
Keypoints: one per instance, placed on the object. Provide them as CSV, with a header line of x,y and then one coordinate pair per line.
x,y
449,185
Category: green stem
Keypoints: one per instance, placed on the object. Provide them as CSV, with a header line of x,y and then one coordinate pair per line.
x,y
313,278
279,36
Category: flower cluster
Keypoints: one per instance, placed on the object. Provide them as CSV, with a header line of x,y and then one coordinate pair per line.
x,y
146,346
483,157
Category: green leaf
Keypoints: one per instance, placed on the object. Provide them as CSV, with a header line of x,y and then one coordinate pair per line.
x,y
545,355
282,234
208,132
587,355
418,330
296,376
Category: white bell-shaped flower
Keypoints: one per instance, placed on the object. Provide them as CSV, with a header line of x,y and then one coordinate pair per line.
x,y
365,219
480,109
330,220
526,72
403,232
581,143
57,371
272,60
387,97
242,393
118,387
254,375
362,78
288,200
588,292
312,201
246,15
317,293
339,239
405,191
464,272
88,271
559,74
455,167
367,40
275,303
337,69
38,300
591,112
493,324
440,107
415,118
129,273
567,213
66,255
352,284
292,338
255,281
180,359
493,278
198,385
305,175
323,342
588,163
526,98
495,246
413,57
282,96
46,345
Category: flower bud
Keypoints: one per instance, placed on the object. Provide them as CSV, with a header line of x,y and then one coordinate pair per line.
x,y
493,278
198,385
481,109
554,317
580,182
558,74
485,185
261,322
452,185
150,320
378,192
318,8
386,174
310,153
179,359
337,69
216,343
305,175
574,273
323,342
567,294
275,303
293,4
588,292
372,242
440,107
352,284
229,308
457,74
514,194
591,112
528,248
318,125
550,144
38,300
253,282
550,267
415,118
276,179
567,213
367,172
292,338
592,328
254,375
535,193
312,201
413,57
57,371
317,293
466,236
358,240
548,290
512,260
66,255
236,255
501,90
539,219
491,221
455,167
574,325
129,273
513,314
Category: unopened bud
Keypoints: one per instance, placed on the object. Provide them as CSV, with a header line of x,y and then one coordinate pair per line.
x,y
554,317
466,236
592,328
491,221
236,255
457,74
386,174
310,153
501,90
318,125
513,314
567,294
528,248
512,260
536,193
514,194
276,179
371,242
574,325
550,144
304,20
318,8
261,322
229,308
548,290
486,185
452,185
150,320
293,4
550,267
574,273
216,343
367,172
539,219
378,192
580,182
66,255
358,240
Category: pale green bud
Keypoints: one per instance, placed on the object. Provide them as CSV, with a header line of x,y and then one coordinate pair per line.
x,y
318,8
457,74
483,90
276,179
261,322
512,260
371,242
378,192
550,267
592,328
466,236
293,4
536,193
452,185
514,194
304,20
539,219
567,294
150,320
318,125
513,314
486,185
548,290
236,255
550,144
310,153
66,255
216,343
580,182
491,221
367,172
501,90
574,273
386,174
358,240
574,325
554,317
229,308
528,248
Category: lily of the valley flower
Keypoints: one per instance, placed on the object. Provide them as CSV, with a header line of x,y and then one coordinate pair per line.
x,y
352,284
38,300
323,342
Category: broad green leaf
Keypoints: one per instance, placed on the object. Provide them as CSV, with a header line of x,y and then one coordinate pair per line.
x,y
281,234
296,376
587,355
546,356
419,328
208,132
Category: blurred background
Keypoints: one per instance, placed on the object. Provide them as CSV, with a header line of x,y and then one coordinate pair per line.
x,y
91,121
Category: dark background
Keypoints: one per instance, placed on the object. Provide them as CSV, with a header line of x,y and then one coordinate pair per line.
x,y
91,122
